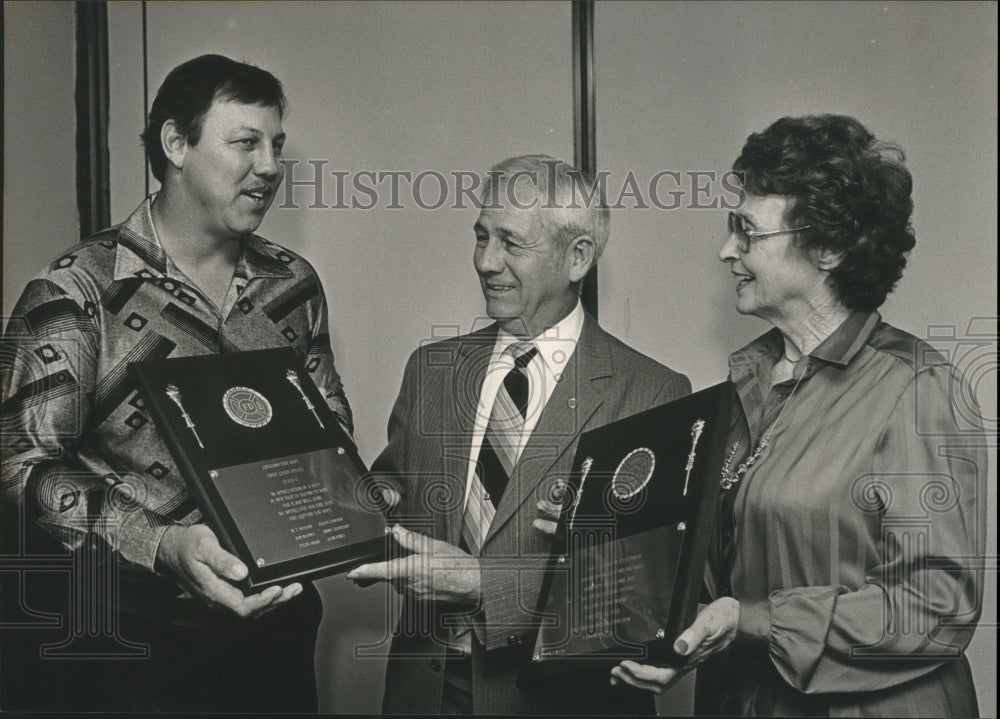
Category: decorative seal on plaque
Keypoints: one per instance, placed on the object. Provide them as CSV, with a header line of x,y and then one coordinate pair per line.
x,y
246,406
633,473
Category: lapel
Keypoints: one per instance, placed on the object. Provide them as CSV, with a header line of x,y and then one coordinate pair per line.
x,y
568,412
461,395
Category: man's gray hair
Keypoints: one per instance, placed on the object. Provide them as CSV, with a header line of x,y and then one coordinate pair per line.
x,y
569,202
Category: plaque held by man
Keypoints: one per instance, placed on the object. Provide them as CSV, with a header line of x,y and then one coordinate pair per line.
x,y
632,540
274,473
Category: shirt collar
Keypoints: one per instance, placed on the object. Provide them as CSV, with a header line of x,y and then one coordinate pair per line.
x,y
140,253
555,345
261,258
848,339
839,348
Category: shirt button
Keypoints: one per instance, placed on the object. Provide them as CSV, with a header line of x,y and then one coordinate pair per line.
x,y
513,641
436,665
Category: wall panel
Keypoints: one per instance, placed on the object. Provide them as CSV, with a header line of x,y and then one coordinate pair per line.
x,y
39,140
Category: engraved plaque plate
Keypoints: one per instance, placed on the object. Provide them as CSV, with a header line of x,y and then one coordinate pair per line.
x,y
630,551
273,472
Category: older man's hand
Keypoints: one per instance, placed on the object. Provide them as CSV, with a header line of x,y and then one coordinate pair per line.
x,y
208,572
435,571
712,631
549,509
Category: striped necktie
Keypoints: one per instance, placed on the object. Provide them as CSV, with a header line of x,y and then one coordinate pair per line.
x,y
499,451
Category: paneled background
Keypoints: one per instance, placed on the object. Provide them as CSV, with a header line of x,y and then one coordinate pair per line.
x,y
453,88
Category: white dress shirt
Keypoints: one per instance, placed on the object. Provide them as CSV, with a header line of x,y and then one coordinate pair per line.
x,y
556,346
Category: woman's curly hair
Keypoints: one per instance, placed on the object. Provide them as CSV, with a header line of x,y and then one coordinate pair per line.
x,y
854,192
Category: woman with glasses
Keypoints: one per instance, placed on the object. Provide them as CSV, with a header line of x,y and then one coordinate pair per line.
x,y
853,494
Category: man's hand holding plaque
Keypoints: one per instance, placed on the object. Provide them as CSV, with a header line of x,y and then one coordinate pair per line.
x,y
432,571
277,478
549,510
195,558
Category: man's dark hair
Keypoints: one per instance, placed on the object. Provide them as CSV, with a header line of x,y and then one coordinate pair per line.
x,y
189,90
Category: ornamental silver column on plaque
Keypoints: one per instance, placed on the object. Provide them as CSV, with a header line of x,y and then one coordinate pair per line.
x,y
175,394
293,377
696,429
585,469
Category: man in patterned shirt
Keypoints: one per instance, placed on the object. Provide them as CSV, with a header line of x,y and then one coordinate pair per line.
x,y
183,275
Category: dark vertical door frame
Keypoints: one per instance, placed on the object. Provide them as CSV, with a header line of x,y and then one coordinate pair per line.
x,y
145,93
93,180
585,116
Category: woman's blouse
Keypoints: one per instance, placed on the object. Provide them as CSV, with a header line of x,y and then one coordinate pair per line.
x,y
856,534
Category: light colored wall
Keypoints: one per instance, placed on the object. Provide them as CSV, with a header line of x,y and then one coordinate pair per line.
x,y
382,87
458,86
126,114
39,139
681,85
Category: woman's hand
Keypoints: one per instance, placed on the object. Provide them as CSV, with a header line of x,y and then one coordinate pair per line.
x,y
712,631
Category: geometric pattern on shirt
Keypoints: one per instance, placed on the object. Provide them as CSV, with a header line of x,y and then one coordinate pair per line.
x,y
62,263
16,418
262,264
116,387
173,511
58,316
499,451
192,326
50,287
149,252
119,293
198,329
320,344
295,296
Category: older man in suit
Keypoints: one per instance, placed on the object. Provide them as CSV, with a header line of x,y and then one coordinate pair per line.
x,y
484,427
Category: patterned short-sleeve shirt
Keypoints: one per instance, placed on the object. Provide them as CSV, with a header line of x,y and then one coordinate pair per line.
x,y
79,448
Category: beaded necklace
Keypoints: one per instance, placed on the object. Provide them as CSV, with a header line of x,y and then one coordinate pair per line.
x,y
732,476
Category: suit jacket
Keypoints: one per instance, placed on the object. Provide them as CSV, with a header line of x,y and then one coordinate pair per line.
x,y
427,457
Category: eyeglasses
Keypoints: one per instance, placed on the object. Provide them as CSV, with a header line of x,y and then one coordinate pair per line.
x,y
744,236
